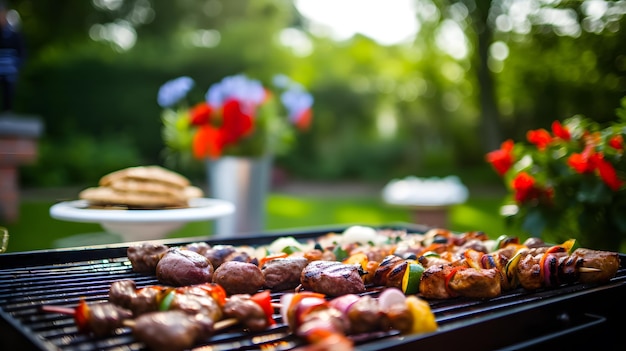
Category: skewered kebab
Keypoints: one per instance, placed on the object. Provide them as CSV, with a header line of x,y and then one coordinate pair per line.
x,y
183,324
170,318
320,321
443,247
127,301
485,275
159,330
207,299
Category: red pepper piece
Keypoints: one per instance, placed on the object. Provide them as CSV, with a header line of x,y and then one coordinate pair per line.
x,y
215,291
449,277
81,317
264,299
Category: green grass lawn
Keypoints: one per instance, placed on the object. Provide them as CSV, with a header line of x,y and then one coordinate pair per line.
x,y
36,230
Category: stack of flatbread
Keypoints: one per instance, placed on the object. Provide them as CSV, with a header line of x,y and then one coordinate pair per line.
x,y
142,187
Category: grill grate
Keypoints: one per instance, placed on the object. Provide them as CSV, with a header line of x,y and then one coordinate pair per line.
x,y
63,277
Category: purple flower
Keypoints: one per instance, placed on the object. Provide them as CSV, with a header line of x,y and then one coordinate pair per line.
x,y
172,91
247,91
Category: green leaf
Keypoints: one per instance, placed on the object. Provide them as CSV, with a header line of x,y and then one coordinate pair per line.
x,y
534,222
594,192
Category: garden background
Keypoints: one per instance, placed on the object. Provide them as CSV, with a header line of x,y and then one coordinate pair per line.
x,y
476,73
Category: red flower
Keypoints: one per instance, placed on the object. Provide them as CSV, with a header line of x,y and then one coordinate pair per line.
x,y
502,159
540,137
560,131
589,161
208,142
200,114
235,124
617,142
303,121
607,173
582,162
524,185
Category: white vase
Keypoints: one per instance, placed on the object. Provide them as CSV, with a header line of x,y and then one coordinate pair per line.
x,y
243,181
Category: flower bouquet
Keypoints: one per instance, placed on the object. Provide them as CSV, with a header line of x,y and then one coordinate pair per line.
x,y
238,117
568,182
235,131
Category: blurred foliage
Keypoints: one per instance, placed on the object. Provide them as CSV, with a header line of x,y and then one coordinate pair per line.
x,y
380,111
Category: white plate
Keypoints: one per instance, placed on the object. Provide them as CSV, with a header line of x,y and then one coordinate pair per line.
x,y
135,225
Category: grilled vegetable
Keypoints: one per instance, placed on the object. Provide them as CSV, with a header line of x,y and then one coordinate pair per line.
x,y
412,277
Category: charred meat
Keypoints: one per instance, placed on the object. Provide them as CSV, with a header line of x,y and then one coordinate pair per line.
x,y
183,267
145,257
332,278
283,273
239,277
172,330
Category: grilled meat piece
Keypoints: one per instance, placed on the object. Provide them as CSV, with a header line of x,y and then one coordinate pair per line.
x,y
529,270
390,272
460,281
145,257
365,315
184,267
564,268
192,303
283,273
105,317
608,263
200,247
533,242
320,255
474,244
332,278
240,306
399,317
121,292
172,330
428,261
124,293
433,282
476,283
239,277
329,320
218,254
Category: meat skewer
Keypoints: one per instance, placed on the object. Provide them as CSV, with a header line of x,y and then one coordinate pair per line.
x,y
159,330
318,320
481,275
488,278
253,311
168,318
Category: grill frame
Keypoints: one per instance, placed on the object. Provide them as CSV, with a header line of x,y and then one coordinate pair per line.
x,y
569,315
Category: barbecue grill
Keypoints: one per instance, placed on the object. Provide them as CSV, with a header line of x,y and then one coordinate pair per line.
x,y
577,315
